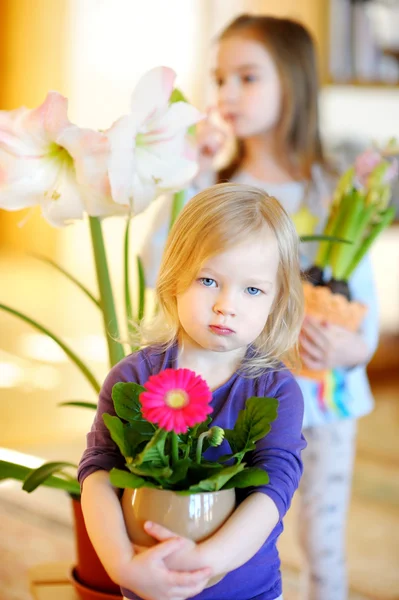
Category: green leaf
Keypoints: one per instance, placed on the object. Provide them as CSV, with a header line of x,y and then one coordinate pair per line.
x,y
141,289
177,206
324,238
126,400
80,404
128,298
74,358
180,470
148,470
253,424
124,479
69,276
154,451
18,472
110,320
177,96
117,430
38,476
215,482
249,477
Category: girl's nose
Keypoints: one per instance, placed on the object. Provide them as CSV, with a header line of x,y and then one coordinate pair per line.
x,y
228,92
224,306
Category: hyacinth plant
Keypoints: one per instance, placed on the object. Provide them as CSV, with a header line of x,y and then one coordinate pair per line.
x,y
74,174
163,429
360,212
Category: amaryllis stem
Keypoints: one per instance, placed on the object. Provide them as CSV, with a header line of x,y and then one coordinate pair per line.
x,y
115,348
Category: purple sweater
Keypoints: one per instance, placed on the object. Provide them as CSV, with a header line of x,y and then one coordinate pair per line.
x,y
279,453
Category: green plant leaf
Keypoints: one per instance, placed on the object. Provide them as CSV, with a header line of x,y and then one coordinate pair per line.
x,y
253,424
74,358
127,294
177,206
124,479
18,472
148,470
126,400
154,451
117,430
180,470
249,477
38,476
214,482
324,238
110,320
177,96
80,404
80,285
141,289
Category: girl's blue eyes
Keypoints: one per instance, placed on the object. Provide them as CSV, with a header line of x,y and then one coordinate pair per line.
x,y
208,282
253,291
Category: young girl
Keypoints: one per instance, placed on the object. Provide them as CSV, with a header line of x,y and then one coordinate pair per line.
x,y
231,307
267,93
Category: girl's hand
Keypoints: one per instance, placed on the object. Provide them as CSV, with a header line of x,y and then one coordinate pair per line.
x,y
210,139
147,575
186,558
327,346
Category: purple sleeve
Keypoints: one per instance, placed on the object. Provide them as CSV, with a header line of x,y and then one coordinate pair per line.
x,y
279,453
101,451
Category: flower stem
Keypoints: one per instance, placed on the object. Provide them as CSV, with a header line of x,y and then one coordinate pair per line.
x,y
198,453
115,348
177,206
175,448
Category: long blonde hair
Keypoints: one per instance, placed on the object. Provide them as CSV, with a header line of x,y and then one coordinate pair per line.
x,y
214,220
290,45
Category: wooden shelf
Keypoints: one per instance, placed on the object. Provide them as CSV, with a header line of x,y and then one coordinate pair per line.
x,y
362,84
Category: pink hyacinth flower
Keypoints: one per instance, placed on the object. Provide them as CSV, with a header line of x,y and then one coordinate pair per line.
x,y
176,399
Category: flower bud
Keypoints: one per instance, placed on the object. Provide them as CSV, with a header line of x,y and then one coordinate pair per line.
x,y
215,436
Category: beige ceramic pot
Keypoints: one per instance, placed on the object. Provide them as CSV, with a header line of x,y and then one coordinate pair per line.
x,y
322,304
196,517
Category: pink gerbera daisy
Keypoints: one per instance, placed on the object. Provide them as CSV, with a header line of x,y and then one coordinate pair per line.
x,y
176,399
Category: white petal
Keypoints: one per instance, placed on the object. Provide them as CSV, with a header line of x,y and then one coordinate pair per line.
x,y
167,170
179,116
143,193
24,181
122,159
69,204
151,95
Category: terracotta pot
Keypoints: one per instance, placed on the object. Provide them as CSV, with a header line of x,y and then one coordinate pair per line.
x,y
322,304
87,593
89,570
195,517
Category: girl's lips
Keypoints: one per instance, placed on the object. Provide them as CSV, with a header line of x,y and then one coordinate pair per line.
x,y
220,330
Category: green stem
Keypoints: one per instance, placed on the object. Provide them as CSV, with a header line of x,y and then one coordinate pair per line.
x,y
178,203
128,299
198,453
175,448
115,349
74,358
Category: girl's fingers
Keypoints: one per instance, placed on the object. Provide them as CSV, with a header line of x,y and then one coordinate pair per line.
x,y
310,349
164,549
159,532
310,363
188,579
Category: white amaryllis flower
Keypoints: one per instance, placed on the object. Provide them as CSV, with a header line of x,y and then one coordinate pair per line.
x,y
150,152
46,160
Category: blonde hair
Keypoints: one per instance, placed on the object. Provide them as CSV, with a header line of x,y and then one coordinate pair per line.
x,y
214,220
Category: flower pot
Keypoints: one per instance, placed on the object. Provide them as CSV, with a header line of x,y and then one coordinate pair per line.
x,y
89,571
86,592
322,304
196,517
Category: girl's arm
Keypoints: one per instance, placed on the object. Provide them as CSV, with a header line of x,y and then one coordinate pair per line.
x,y
146,574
